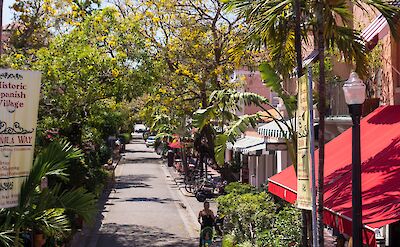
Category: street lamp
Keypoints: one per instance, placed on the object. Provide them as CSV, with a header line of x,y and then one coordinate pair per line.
x,y
354,93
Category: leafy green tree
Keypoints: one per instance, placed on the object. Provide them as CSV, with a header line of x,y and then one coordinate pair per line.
x,y
90,73
101,64
36,22
198,43
223,105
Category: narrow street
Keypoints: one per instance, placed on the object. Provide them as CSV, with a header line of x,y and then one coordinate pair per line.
x,y
146,208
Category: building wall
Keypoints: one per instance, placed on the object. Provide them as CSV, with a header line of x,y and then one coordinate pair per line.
x,y
389,86
261,170
270,166
253,83
253,170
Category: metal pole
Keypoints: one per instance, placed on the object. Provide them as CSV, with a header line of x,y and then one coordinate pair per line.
x,y
313,178
355,112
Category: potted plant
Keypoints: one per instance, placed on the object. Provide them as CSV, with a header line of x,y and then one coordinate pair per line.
x,y
372,80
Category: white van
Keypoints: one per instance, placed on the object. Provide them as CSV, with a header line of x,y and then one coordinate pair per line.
x,y
139,128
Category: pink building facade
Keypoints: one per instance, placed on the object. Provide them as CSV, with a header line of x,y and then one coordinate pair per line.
x,y
252,83
388,52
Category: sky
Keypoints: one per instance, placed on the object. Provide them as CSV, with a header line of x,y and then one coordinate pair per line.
x,y
7,13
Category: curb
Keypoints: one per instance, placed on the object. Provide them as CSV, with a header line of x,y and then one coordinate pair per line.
x,y
186,206
177,179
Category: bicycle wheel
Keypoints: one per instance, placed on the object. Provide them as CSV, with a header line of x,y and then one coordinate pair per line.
x,y
206,236
188,188
196,187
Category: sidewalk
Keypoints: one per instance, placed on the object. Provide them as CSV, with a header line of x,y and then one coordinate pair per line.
x,y
189,200
195,206
179,180
145,209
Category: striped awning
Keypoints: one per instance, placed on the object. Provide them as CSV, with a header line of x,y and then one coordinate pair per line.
x,y
253,150
247,142
375,31
272,129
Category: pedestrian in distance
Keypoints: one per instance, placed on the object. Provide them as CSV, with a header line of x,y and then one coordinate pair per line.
x,y
206,219
170,157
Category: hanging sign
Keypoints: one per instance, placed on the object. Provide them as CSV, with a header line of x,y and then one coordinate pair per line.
x,y
303,147
19,103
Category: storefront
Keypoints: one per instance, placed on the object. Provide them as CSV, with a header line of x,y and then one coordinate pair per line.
x,y
380,155
275,136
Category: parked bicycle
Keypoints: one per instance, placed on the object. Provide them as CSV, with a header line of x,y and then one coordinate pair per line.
x,y
208,188
191,177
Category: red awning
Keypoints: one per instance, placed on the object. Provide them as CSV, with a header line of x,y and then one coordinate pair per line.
x,y
380,156
375,31
175,144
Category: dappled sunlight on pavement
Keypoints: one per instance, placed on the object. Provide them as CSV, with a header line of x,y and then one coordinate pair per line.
x,y
145,208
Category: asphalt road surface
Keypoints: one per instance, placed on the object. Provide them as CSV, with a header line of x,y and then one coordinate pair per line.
x,y
147,208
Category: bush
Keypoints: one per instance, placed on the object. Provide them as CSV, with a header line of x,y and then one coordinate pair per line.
x,y
285,230
254,219
228,241
126,137
238,188
96,181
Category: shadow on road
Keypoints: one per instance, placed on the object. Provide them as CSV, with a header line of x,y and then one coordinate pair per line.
x,y
133,181
137,141
116,235
142,160
151,199
139,151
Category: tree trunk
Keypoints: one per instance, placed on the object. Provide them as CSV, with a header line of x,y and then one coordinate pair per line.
x,y
17,238
304,228
322,113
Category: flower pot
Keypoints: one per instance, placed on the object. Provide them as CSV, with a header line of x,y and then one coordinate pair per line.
x,y
79,222
39,239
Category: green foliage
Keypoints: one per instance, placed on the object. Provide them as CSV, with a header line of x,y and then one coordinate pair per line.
x,y
96,180
45,209
285,230
273,81
221,110
126,136
234,130
6,238
254,219
202,117
228,241
52,161
90,73
272,26
199,52
93,63
230,99
237,188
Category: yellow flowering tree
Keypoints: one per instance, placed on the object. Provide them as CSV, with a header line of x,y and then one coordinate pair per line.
x,y
199,46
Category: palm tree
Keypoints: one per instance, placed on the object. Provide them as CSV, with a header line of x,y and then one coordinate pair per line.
x,y
222,107
45,209
273,24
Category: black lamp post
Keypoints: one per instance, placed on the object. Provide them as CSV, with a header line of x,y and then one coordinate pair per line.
x,y
354,92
